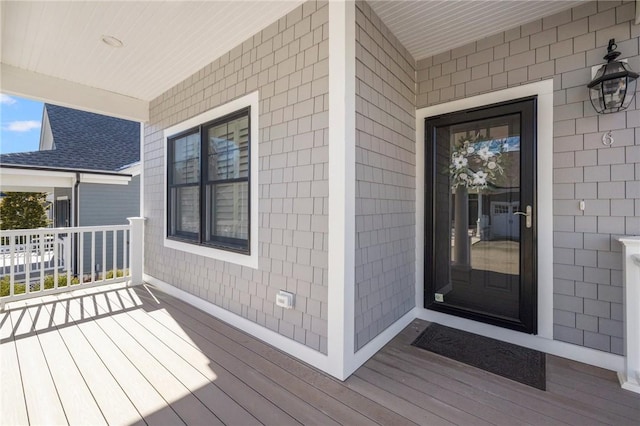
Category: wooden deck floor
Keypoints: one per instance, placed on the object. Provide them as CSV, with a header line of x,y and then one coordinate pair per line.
x,y
138,356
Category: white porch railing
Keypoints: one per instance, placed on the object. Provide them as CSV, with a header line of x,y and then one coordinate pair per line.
x,y
37,262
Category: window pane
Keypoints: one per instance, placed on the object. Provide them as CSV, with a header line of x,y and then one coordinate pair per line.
x,y
185,208
228,211
229,142
186,159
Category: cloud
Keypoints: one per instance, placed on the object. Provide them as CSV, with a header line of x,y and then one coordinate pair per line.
x,y
6,99
22,126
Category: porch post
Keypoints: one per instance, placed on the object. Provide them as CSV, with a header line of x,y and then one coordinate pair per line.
x,y
630,377
342,181
136,249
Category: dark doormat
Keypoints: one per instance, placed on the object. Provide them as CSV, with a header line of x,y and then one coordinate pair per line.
x,y
505,359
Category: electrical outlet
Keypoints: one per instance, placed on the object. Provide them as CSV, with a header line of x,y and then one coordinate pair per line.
x,y
284,299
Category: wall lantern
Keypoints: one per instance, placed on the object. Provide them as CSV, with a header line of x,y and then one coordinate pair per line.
x,y
614,85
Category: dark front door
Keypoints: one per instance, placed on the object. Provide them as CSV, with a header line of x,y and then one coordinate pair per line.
x,y
480,181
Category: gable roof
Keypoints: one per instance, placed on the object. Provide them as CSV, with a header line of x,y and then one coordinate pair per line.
x,y
84,141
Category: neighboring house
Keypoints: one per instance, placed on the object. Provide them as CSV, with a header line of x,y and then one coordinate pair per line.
x,y
88,163
312,157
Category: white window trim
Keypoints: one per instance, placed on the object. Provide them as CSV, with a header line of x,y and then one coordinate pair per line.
x,y
250,260
544,91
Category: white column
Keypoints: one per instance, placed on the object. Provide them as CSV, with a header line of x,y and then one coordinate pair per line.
x,y
342,136
136,251
630,377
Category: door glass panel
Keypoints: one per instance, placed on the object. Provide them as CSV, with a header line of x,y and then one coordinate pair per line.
x,y
477,188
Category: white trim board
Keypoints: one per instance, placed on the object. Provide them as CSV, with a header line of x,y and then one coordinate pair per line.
x,y
250,100
291,347
582,354
544,207
378,342
342,136
26,179
32,85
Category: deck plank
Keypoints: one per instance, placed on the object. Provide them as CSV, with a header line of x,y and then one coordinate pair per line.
x,y
137,356
41,395
190,409
394,402
236,386
142,394
470,405
485,381
368,408
618,413
607,388
273,390
192,369
556,405
114,404
327,404
77,400
418,398
475,393
13,408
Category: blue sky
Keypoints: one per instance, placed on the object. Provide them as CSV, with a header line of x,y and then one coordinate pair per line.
x,y
19,124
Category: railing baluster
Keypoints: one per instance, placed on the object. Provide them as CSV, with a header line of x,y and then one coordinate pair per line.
x,y
125,252
93,256
27,264
56,253
42,251
12,253
81,257
67,254
114,248
104,255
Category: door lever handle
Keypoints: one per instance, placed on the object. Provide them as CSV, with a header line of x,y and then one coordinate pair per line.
x,y
527,214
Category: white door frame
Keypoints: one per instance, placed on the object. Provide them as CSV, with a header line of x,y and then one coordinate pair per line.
x,y
544,210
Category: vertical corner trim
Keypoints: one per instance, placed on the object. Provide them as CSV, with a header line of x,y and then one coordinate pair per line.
x,y
342,135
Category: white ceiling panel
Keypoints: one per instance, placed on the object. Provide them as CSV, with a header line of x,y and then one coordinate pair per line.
x,y
167,41
427,28
164,42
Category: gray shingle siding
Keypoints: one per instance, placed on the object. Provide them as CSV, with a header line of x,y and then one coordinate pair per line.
x,y
107,205
287,63
564,47
385,178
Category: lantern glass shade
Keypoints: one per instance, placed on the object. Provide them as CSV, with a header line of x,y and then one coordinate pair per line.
x,y
613,87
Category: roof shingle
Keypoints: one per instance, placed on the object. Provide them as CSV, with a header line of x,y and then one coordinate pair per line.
x,y
84,141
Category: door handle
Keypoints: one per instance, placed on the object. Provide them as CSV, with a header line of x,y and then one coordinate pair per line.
x,y
529,212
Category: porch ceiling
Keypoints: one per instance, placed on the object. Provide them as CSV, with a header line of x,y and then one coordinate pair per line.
x,y
427,28
164,42
52,51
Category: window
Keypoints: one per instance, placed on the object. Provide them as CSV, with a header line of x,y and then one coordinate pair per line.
x,y
208,183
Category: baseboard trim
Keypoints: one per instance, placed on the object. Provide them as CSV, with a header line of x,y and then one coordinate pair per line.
x,y
291,347
627,384
554,347
378,342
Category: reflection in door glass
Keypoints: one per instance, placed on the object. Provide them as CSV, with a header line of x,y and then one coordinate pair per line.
x,y
484,195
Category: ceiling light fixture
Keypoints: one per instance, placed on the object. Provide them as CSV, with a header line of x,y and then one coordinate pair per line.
x,y
112,41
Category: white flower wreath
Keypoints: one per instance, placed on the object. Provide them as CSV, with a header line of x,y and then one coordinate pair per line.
x,y
474,167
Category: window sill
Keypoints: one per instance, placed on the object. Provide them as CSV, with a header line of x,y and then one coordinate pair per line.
x,y
250,260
